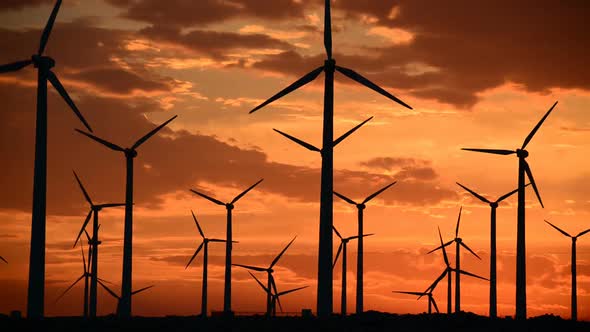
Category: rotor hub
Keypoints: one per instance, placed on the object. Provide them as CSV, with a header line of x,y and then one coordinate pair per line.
x,y
270,271
574,239
229,206
494,204
43,61
130,153
459,240
522,153
330,65
361,206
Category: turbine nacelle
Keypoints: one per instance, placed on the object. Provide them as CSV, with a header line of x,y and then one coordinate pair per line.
x,y
330,65
494,205
229,206
361,206
521,153
41,61
130,153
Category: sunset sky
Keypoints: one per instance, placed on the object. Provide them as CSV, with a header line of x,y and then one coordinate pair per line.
x,y
478,74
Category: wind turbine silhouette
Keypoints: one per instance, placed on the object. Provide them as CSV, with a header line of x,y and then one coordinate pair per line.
x,y
458,244
130,154
94,242
269,271
120,298
360,252
35,294
342,247
523,170
574,283
448,272
205,245
325,282
493,206
228,244
431,300
85,275
276,296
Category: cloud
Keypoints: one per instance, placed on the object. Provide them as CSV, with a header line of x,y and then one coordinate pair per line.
x,y
21,4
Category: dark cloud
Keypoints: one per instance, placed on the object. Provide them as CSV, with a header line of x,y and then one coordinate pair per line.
x,y
196,13
20,4
407,168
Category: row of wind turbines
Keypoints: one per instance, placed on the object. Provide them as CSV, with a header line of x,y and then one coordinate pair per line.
x,y
35,300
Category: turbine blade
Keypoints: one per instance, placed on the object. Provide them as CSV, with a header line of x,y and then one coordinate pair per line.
x,y
434,303
344,198
337,255
83,227
435,283
378,192
83,259
15,66
492,151
336,231
364,81
529,174
249,267
443,248
198,226
237,198
218,202
151,133
410,293
194,255
83,189
87,235
580,234
471,251
298,141
4,260
111,205
348,133
48,27
279,302
530,136
105,281
503,197
220,240
440,247
64,94
356,236
478,196
559,229
458,222
291,290
108,289
328,29
68,289
294,86
102,141
141,290
273,283
471,274
259,283
281,253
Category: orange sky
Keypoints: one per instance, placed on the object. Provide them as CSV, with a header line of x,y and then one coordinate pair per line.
x,y
477,76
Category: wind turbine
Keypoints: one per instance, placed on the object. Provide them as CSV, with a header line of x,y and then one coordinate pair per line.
x,y
276,296
574,283
360,252
94,242
342,247
494,206
523,170
325,283
130,154
448,272
458,244
431,301
120,298
228,244
85,275
35,294
269,271
205,245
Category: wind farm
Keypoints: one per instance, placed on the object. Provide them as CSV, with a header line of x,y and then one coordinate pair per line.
x,y
194,79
